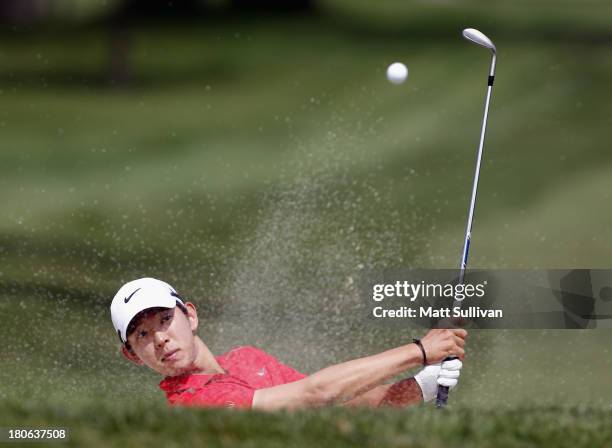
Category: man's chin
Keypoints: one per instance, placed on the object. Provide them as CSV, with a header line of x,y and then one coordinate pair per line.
x,y
175,370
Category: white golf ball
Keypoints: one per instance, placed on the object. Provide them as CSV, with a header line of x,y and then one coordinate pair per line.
x,y
397,73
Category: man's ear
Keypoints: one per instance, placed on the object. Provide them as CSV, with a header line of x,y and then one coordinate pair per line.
x,y
130,355
192,316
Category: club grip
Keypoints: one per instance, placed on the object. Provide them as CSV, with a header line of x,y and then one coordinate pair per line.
x,y
442,396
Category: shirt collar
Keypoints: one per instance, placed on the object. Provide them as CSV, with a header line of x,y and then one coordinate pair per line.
x,y
172,384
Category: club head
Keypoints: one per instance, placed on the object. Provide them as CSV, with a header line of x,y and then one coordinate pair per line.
x,y
478,38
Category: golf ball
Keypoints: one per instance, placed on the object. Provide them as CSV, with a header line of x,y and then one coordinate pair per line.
x,y
397,73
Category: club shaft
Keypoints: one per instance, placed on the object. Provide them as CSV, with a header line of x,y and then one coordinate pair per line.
x,y
468,229
442,396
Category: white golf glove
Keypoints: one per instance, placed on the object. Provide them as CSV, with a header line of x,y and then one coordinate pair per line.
x,y
445,374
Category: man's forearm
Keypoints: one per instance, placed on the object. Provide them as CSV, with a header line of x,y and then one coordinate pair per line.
x,y
401,394
343,382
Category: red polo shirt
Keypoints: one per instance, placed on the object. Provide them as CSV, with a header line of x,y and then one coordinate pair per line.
x,y
247,369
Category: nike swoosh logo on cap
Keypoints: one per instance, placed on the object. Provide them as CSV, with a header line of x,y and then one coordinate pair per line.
x,y
127,299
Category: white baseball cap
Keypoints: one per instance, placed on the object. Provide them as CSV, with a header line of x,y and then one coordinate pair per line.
x,y
139,295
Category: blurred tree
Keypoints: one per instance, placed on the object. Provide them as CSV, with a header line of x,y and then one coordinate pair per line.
x,y
133,10
23,11
274,5
191,8
119,55
161,8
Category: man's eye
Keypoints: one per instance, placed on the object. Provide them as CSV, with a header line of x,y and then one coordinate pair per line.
x,y
166,318
142,334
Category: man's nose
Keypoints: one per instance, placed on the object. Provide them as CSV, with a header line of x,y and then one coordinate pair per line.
x,y
160,338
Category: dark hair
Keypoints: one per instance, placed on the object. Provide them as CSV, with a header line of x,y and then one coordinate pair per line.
x,y
136,320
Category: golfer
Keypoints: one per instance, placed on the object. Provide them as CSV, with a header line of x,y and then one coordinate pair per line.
x,y
158,328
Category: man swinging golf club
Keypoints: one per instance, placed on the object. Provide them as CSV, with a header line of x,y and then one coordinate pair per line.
x,y
158,328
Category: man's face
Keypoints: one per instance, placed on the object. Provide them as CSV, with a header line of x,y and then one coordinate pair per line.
x,y
164,341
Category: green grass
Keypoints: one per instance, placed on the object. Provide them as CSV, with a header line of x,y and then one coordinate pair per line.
x,y
138,425
205,146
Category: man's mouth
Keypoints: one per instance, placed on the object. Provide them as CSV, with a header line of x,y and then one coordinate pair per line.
x,y
171,355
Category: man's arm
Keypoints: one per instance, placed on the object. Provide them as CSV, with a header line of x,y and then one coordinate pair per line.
x,y
403,393
341,382
344,382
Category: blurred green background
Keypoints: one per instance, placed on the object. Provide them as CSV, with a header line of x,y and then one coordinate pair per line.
x,y
253,155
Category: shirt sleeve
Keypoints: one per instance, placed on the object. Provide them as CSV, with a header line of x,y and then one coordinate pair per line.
x,y
289,373
217,395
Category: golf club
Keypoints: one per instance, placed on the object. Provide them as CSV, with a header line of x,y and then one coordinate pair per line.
x,y
478,38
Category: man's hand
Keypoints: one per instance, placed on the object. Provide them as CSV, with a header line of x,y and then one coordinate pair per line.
x,y
440,344
445,374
